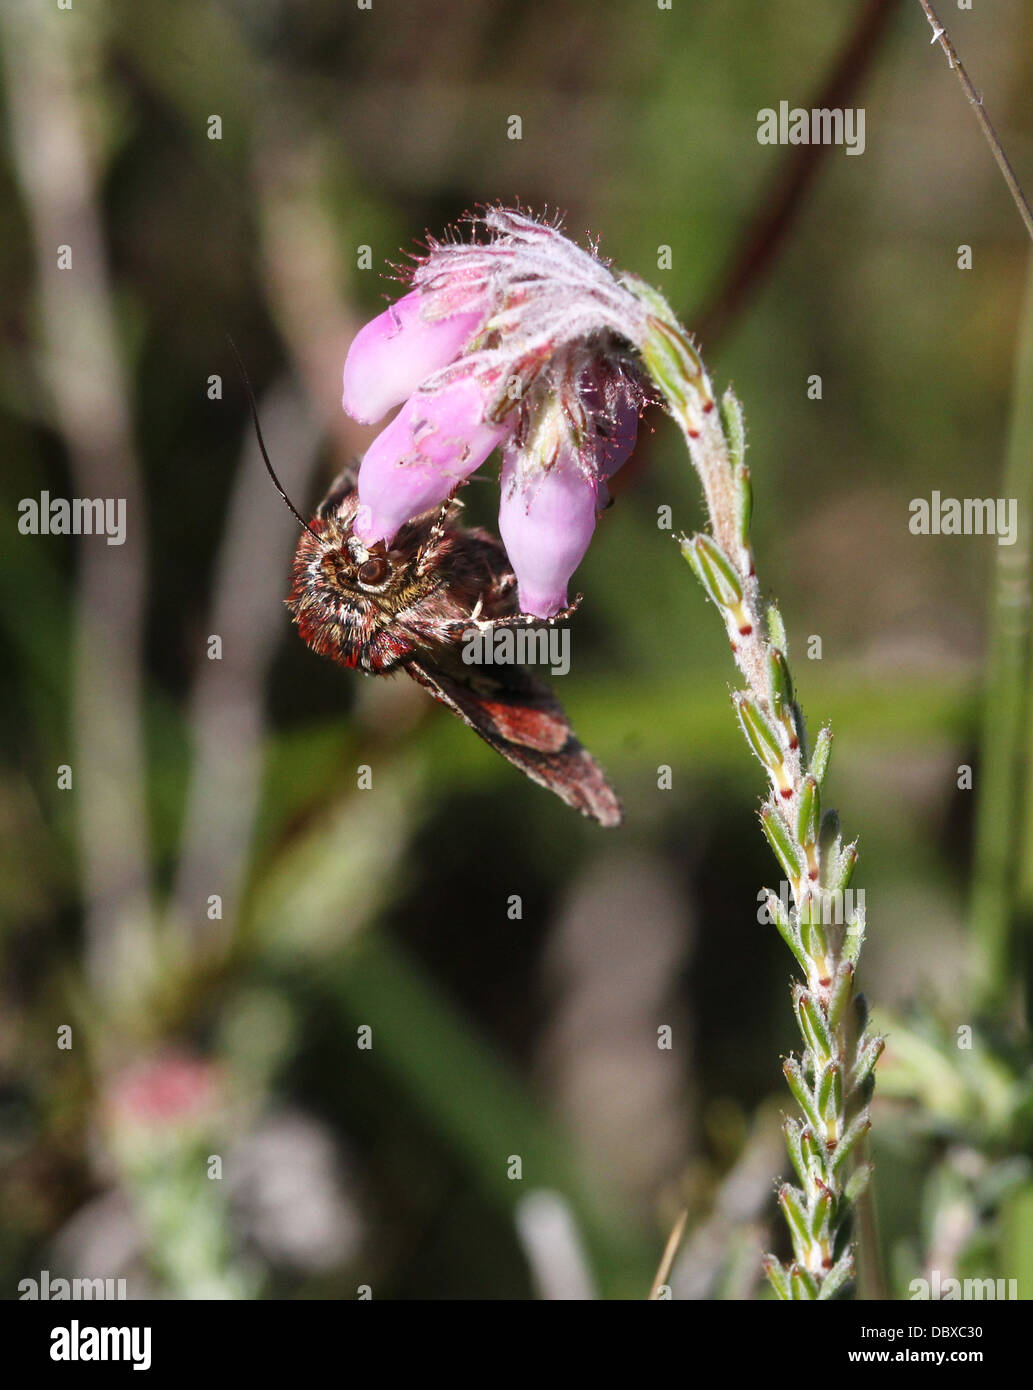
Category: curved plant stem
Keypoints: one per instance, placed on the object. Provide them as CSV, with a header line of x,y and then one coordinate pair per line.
x,y
941,36
832,1079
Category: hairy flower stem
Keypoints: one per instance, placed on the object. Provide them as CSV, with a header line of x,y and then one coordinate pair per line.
x,y
832,1079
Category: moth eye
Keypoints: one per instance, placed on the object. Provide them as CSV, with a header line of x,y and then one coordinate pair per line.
x,y
373,571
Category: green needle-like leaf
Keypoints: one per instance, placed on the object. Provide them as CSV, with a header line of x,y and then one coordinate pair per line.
x,y
801,1091
778,838
822,752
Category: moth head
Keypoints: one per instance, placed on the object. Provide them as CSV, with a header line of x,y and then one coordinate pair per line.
x,y
352,568
355,587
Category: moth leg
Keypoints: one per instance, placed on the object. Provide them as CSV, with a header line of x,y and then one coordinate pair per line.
x,y
437,530
530,619
515,620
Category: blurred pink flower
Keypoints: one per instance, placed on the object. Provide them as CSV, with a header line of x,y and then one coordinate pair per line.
x,y
522,340
170,1089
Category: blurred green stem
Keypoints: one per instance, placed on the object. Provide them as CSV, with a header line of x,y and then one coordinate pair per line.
x,y
1003,870
55,99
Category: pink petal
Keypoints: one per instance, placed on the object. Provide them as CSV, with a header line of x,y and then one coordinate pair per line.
x,y
435,441
546,520
396,351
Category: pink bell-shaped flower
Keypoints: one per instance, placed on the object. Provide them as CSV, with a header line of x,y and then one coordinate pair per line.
x,y
525,340
397,351
546,520
435,441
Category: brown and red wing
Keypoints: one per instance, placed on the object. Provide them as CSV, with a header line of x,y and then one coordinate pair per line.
x,y
521,718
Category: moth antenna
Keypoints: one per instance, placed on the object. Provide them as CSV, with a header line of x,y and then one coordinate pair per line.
x,y
261,442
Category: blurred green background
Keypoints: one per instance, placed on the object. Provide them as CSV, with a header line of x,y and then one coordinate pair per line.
x,y
383,1159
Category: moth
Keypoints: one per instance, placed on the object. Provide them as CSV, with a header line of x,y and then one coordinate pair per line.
x,y
407,607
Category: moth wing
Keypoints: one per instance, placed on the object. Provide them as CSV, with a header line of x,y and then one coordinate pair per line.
x,y
342,490
514,705
522,720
